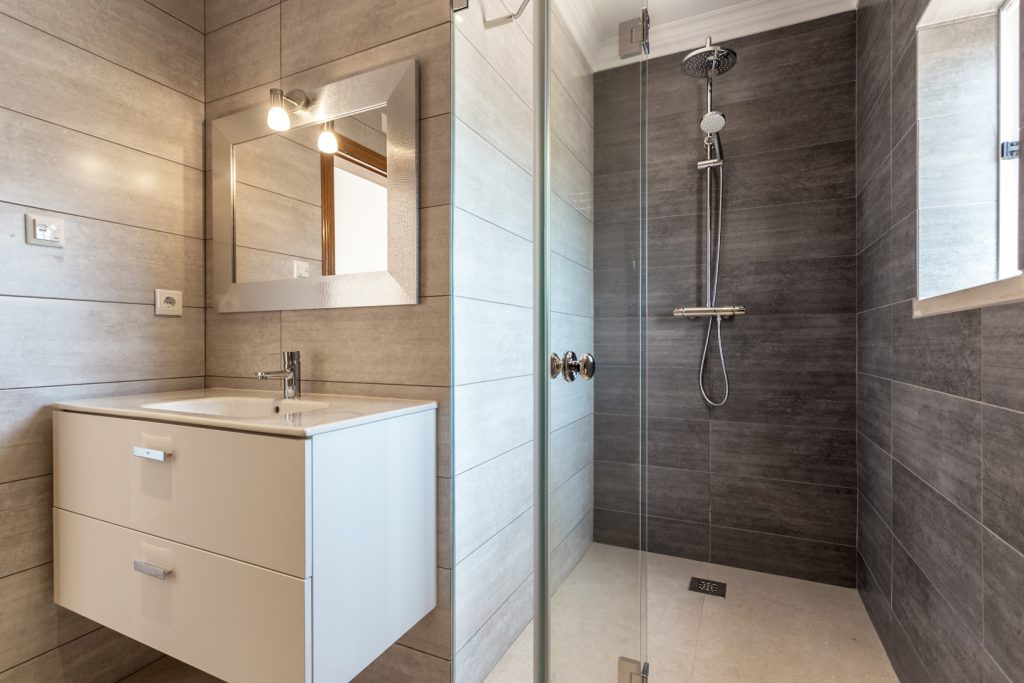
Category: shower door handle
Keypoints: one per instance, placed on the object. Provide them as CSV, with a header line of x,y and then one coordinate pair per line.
x,y
569,366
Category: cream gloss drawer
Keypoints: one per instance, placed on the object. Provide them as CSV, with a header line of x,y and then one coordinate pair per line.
x,y
228,618
241,495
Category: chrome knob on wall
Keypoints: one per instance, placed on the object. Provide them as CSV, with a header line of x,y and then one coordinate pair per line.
x,y
569,366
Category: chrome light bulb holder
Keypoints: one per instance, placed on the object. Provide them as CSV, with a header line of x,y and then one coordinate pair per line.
x,y
283,105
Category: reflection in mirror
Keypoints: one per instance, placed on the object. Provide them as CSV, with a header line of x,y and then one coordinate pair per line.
x,y
968,148
301,213
315,196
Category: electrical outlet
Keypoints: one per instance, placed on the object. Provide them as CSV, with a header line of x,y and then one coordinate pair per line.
x,y
301,268
168,302
45,231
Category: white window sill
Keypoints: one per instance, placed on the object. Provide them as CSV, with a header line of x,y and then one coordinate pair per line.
x,y
1006,291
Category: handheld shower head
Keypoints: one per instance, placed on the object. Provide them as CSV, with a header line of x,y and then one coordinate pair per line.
x,y
712,122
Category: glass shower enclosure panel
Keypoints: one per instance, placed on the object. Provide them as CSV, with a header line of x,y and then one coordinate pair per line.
x,y
594,278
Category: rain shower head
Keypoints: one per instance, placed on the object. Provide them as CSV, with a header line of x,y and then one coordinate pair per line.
x,y
709,61
713,122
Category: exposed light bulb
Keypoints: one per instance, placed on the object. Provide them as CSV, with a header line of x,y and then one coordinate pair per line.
x,y
278,119
328,140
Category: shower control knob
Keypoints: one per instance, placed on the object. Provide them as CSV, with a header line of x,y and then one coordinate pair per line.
x,y
569,366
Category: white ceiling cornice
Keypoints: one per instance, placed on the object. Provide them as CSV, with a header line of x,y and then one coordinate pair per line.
x,y
724,24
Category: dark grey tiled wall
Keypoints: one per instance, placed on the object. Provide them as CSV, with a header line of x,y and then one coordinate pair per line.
x,y
767,482
940,466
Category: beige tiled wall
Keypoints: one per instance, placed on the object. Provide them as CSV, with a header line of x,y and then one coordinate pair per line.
x,y
492,270
400,351
101,109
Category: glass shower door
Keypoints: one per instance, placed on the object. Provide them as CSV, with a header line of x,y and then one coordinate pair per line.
x,y
594,277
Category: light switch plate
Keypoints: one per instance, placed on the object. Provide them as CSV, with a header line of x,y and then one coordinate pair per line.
x,y
168,302
45,231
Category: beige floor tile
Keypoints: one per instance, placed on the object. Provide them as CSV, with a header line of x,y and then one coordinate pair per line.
x,y
769,629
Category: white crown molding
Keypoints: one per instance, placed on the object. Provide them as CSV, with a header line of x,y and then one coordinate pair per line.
x,y
736,21
581,20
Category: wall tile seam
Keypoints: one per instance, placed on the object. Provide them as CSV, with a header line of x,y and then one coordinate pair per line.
x,y
180,21
105,59
9,575
493,614
455,385
112,302
491,459
529,172
980,402
101,220
53,649
85,384
749,531
568,480
304,379
23,479
464,297
396,39
490,538
892,614
891,304
812,202
662,269
874,510
207,31
722,473
518,236
967,627
654,216
103,139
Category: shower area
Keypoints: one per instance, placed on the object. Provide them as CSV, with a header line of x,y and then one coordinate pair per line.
x,y
696,371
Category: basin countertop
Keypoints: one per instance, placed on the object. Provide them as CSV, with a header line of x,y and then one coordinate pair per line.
x,y
342,412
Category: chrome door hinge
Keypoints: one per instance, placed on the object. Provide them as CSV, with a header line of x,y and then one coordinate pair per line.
x,y
631,671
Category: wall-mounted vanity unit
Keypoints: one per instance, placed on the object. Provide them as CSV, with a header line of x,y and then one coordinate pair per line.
x,y
256,538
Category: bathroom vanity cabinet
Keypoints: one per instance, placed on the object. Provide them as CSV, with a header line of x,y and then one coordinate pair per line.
x,y
290,548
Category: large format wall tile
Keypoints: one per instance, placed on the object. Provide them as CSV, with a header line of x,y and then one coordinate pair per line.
x,y
305,43
113,342
809,511
949,649
1004,474
100,262
135,35
797,557
87,176
55,81
943,541
939,438
244,54
1004,605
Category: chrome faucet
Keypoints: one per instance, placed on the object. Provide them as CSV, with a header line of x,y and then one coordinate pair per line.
x,y
291,375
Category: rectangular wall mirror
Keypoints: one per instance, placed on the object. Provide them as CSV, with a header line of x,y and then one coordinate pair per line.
x,y
315,196
968,109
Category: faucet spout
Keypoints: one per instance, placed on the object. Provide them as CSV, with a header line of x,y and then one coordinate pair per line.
x,y
290,375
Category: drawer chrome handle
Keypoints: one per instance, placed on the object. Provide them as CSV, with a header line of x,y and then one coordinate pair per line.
x,y
150,453
151,569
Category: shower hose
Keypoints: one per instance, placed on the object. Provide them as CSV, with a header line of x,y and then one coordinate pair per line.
x,y
714,239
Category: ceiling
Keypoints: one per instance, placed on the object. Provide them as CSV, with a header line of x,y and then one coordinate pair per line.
x,y
678,25
941,11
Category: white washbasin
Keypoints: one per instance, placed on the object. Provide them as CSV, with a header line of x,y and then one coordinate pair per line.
x,y
240,406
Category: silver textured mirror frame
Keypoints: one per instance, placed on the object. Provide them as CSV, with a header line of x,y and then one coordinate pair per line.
x,y
393,86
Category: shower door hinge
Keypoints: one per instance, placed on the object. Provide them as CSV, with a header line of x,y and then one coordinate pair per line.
x,y
635,36
1009,150
459,5
631,671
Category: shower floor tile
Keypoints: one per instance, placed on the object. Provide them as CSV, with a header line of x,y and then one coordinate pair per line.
x,y
770,629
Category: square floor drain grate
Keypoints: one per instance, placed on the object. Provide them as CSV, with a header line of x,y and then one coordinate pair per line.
x,y
708,587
